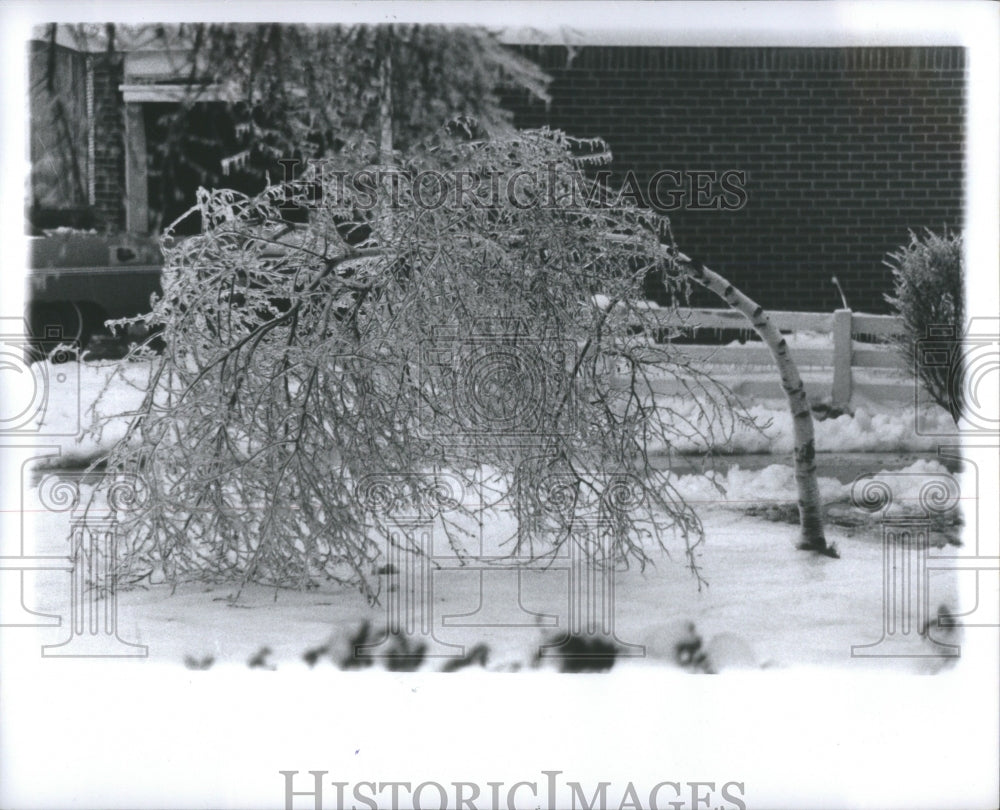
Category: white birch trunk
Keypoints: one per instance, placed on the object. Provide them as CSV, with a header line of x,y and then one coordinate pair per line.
x,y
810,505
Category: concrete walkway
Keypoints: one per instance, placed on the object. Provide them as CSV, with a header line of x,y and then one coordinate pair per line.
x,y
845,467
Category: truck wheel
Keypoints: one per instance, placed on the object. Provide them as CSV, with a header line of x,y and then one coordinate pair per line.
x,y
52,324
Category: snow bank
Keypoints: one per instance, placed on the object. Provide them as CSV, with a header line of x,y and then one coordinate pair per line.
x,y
737,488
874,427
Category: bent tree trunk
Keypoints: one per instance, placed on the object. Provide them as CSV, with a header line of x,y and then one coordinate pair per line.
x,y
810,506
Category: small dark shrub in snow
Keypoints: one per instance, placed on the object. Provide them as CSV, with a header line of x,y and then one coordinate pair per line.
x,y
403,654
928,274
259,659
582,653
687,651
399,654
353,659
311,657
199,663
477,656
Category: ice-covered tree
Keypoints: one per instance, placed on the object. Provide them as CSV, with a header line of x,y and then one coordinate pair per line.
x,y
254,98
484,319
464,303
300,92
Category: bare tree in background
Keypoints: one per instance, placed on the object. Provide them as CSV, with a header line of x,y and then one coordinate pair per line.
x,y
260,96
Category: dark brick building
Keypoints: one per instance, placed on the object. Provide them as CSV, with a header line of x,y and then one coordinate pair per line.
x,y
843,149
836,152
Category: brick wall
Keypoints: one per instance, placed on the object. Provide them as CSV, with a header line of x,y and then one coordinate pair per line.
x,y
109,142
844,150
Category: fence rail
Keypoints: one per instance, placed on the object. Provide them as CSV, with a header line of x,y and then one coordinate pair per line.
x,y
841,358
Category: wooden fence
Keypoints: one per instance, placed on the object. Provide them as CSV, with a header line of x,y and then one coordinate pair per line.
x,y
753,364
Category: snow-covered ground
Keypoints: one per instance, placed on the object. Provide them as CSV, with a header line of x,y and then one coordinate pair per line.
x,y
776,606
787,608
802,731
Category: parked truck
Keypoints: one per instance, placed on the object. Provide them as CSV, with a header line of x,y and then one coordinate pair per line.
x,y
78,281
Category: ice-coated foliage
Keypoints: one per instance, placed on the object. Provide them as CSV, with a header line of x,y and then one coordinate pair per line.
x,y
401,351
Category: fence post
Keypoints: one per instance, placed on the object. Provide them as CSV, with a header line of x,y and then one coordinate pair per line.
x,y
841,392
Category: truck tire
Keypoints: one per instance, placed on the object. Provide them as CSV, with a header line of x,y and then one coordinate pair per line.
x,y
52,323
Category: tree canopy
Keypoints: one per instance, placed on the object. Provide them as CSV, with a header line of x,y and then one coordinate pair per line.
x,y
433,332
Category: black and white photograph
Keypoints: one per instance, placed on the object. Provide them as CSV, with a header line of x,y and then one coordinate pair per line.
x,y
500,405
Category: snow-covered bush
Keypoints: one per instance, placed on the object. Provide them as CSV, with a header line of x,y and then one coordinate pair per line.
x,y
928,275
